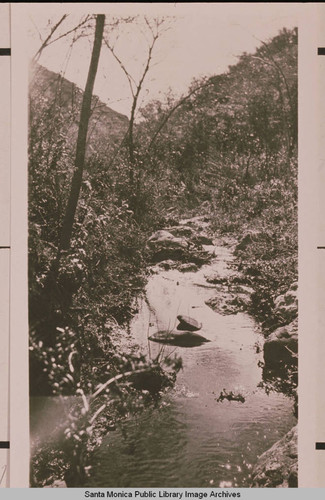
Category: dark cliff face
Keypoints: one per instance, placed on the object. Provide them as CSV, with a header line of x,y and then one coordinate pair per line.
x,y
106,127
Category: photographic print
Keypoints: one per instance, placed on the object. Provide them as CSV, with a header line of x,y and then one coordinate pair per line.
x,y
162,259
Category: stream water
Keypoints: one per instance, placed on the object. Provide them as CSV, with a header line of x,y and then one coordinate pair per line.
x,y
190,439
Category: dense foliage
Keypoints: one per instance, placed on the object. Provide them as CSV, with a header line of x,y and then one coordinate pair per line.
x,y
231,151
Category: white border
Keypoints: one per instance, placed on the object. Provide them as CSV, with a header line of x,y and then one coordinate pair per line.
x,y
309,473
19,389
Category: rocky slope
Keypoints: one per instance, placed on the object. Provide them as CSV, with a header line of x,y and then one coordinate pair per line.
x,y
106,125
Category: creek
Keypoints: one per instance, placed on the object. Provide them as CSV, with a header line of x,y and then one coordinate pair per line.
x,y
190,439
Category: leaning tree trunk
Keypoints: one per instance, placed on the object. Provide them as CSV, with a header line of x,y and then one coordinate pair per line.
x,y
66,230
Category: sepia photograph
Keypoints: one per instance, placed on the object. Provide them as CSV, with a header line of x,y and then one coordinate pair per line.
x,y
163,245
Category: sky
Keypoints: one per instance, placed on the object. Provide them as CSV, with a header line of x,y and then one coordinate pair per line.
x,y
203,39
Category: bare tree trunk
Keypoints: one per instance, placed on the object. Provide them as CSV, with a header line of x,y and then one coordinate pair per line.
x,y
66,230
136,88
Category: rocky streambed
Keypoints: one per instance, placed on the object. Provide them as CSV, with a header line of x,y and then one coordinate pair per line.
x,y
187,246
215,427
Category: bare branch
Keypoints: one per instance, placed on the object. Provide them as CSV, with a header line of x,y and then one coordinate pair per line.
x,y
38,31
46,41
172,111
135,100
153,32
82,23
149,26
122,66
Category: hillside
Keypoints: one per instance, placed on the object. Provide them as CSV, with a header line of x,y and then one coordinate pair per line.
x,y
106,125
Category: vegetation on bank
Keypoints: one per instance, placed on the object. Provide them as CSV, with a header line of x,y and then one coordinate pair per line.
x,y
226,149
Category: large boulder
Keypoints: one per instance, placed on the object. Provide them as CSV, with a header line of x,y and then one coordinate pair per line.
x,y
181,231
282,345
187,323
286,305
278,466
165,238
164,245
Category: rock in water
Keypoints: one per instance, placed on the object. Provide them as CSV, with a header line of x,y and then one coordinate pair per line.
x,y
187,323
188,267
163,246
184,339
166,239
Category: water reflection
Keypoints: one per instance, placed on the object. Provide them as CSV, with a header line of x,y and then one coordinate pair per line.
x,y
191,440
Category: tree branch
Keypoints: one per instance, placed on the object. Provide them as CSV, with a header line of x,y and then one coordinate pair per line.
x,y
46,41
172,111
122,66
87,18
